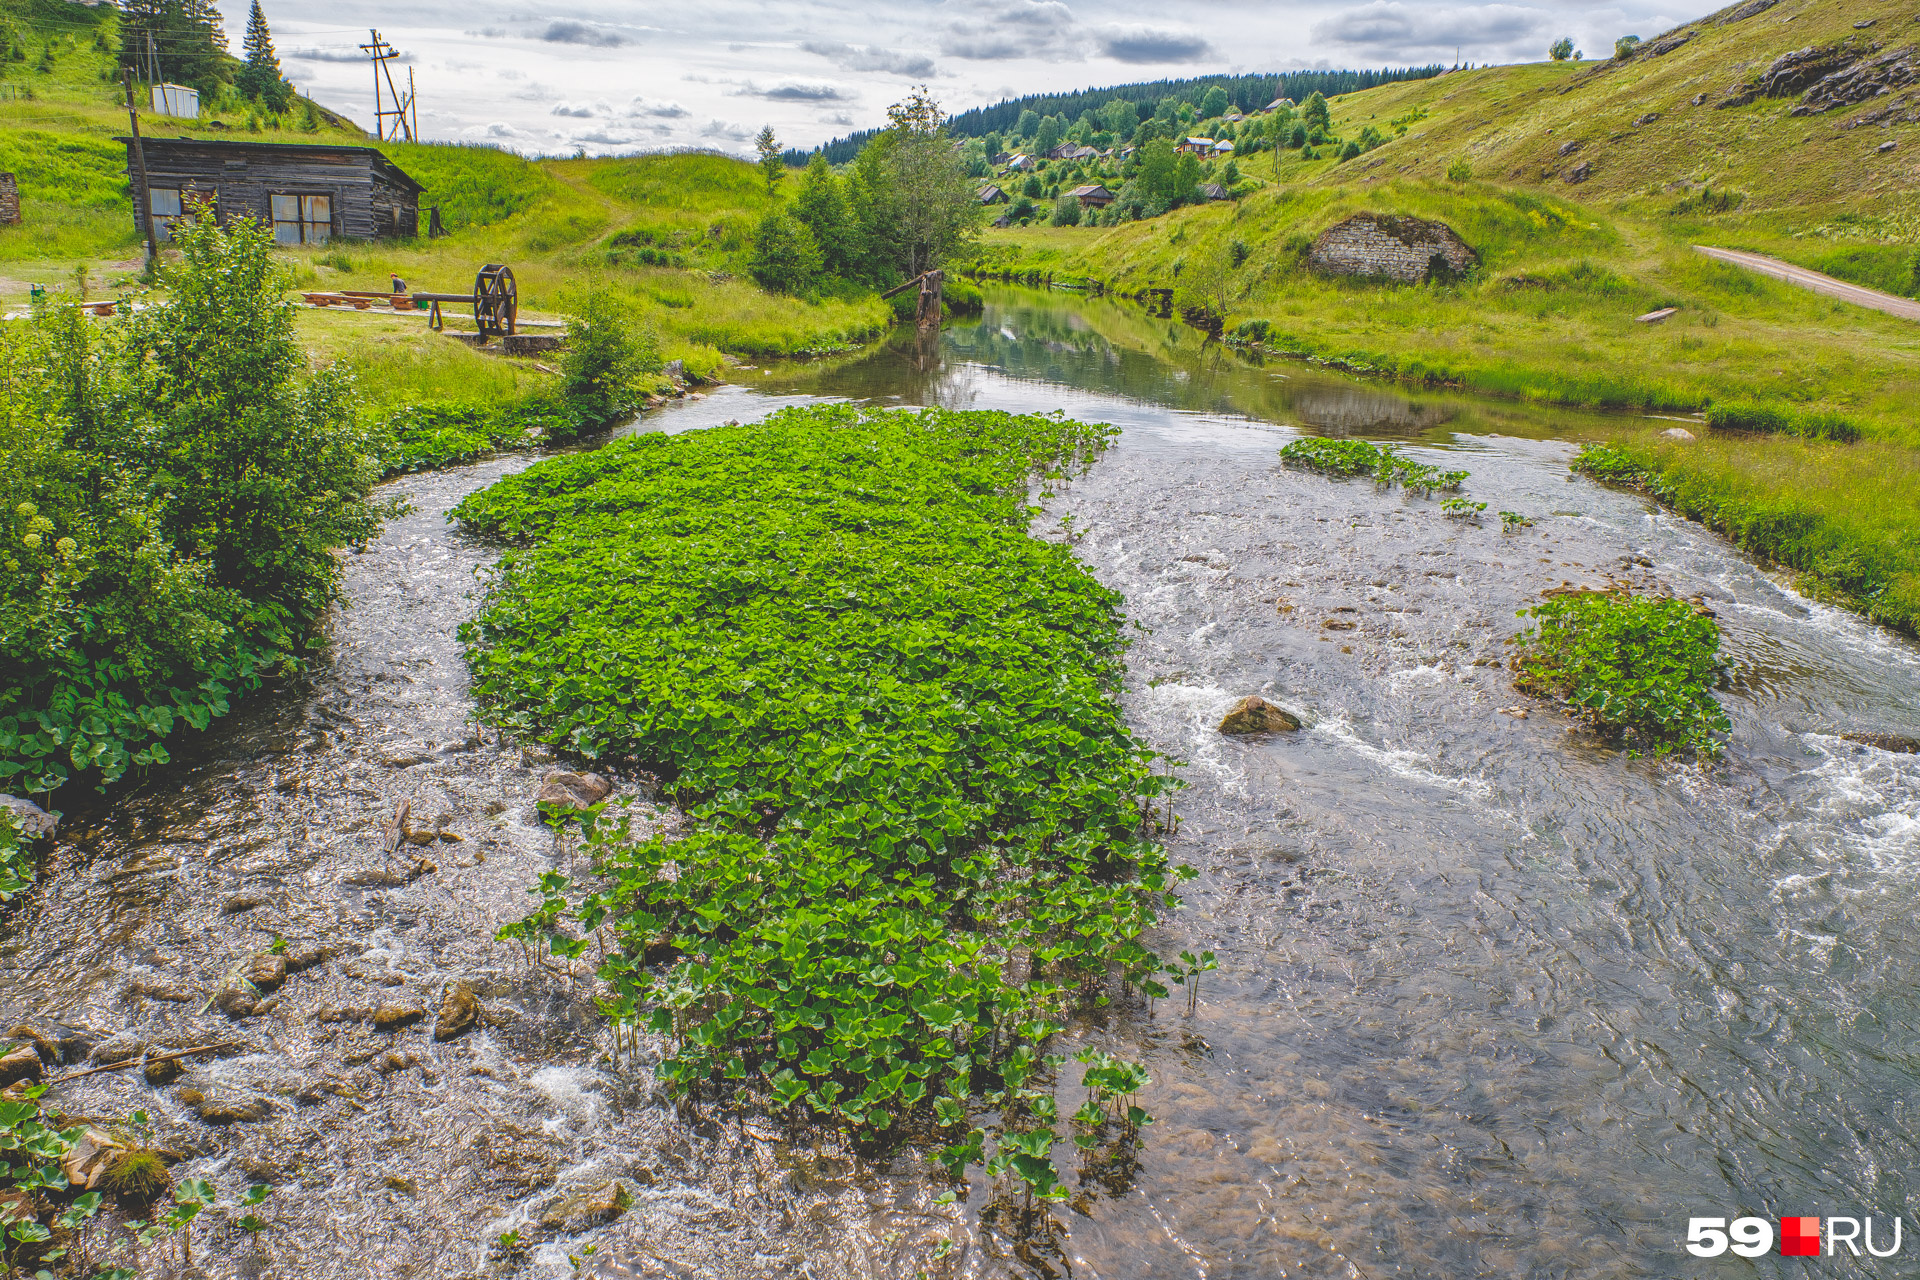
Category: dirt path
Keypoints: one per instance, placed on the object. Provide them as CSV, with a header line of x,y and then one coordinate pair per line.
x,y
1857,294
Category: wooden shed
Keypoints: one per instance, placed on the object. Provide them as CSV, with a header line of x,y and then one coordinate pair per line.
x,y
308,194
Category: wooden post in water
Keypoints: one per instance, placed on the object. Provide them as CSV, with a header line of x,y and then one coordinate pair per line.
x,y
927,312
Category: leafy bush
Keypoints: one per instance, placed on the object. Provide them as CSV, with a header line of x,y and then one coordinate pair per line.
x,y
16,858
785,257
1066,212
604,357
887,713
172,492
1459,170
1646,665
1774,419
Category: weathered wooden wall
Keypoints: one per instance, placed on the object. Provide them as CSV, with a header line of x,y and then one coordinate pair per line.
x,y
9,200
367,203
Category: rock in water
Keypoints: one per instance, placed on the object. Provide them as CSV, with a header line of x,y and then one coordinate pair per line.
x,y
585,1210
88,1158
34,821
221,1109
392,1017
1886,742
574,790
1255,714
20,1064
459,1010
1678,433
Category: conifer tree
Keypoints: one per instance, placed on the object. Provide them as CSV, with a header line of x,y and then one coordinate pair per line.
x,y
260,78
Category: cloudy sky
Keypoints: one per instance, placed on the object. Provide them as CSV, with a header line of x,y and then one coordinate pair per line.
x,y
612,76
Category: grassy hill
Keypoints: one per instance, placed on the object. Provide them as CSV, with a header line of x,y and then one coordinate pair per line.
x,y
1567,265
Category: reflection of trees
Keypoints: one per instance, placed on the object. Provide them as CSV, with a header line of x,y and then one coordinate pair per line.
x,y
1109,346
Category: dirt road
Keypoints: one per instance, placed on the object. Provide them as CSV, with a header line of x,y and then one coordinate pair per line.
x,y
1857,294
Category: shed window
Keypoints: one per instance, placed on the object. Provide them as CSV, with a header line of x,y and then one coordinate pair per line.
x,y
302,219
164,207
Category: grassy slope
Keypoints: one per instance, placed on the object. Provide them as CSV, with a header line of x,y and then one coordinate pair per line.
x,y
554,222
1567,267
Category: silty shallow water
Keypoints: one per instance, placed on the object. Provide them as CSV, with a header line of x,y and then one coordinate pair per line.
x,y
1492,998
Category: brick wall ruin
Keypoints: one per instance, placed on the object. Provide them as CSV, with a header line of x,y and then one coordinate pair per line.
x,y
9,200
1386,247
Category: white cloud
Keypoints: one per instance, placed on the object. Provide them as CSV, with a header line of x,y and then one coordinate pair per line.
x,y
1151,44
1397,29
874,58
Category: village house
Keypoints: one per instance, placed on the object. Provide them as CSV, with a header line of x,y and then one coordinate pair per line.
x,y
1233,117
1214,191
1196,146
1223,148
1092,196
991,194
307,194
1278,103
1020,163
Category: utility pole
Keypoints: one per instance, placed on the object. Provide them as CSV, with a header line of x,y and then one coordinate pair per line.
x,y
382,53
145,201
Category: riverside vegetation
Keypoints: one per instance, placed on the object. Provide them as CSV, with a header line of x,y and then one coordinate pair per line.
x,y
921,833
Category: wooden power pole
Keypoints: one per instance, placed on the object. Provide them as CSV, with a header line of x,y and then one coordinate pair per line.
x,y
145,205
382,53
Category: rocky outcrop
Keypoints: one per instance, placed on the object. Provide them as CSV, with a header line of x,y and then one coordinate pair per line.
x,y
1868,78
392,1017
20,1064
1751,9
1579,173
584,1210
1256,715
1390,247
1886,742
1792,72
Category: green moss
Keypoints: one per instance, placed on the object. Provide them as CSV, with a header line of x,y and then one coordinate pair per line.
x,y
139,1176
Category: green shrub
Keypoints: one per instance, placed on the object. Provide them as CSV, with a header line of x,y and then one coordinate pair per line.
x,y
172,493
1459,170
887,712
604,357
1646,665
1066,212
785,257
1345,459
16,857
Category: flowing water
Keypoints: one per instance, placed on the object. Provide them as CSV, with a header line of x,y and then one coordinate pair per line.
x,y
1493,998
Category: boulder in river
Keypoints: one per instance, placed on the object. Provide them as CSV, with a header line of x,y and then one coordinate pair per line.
x,y
33,821
585,1210
266,971
459,1010
227,1108
89,1158
1679,433
237,999
1886,742
398,1014
574,790
1255,714
19,1064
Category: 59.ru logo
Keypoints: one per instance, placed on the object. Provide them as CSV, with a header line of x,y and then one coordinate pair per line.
x,y
1799,1237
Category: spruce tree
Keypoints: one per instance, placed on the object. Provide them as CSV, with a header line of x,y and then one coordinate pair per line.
x,y
260,78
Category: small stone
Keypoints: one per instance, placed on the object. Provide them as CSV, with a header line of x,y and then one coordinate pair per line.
x,y
19,1064
1678,433
405,1186
1885,147
342,1013
1568,148
237,1000
267,971
574,790
300,959
33,821
396,1060
1886,742
586,1210
1648,118
1256,715
88,1158
459,1010
228,1109
48,1051
310,1092
392,1017
154,988
1580,172
162,1072
240,902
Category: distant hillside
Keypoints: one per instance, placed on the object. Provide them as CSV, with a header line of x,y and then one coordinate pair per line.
x,y
1245,92
1764,105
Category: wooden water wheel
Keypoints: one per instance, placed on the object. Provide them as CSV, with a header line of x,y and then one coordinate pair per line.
x,y
496,300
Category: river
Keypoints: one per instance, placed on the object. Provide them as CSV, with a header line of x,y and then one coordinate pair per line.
x,y
1493,997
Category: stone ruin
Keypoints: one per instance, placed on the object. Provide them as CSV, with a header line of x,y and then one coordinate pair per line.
x,y
1391,247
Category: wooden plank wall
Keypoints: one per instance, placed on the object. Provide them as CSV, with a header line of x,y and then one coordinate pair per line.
x,y
366,204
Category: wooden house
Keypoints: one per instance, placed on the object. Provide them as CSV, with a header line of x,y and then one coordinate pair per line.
x,y
1021,163
991,194
1092,196
1278,103
307,194
1214,191
1198,146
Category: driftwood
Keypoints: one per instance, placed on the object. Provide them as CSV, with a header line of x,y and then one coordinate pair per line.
x,y
135,1062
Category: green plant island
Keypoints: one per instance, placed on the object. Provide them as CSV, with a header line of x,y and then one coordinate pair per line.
x,y
921,835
